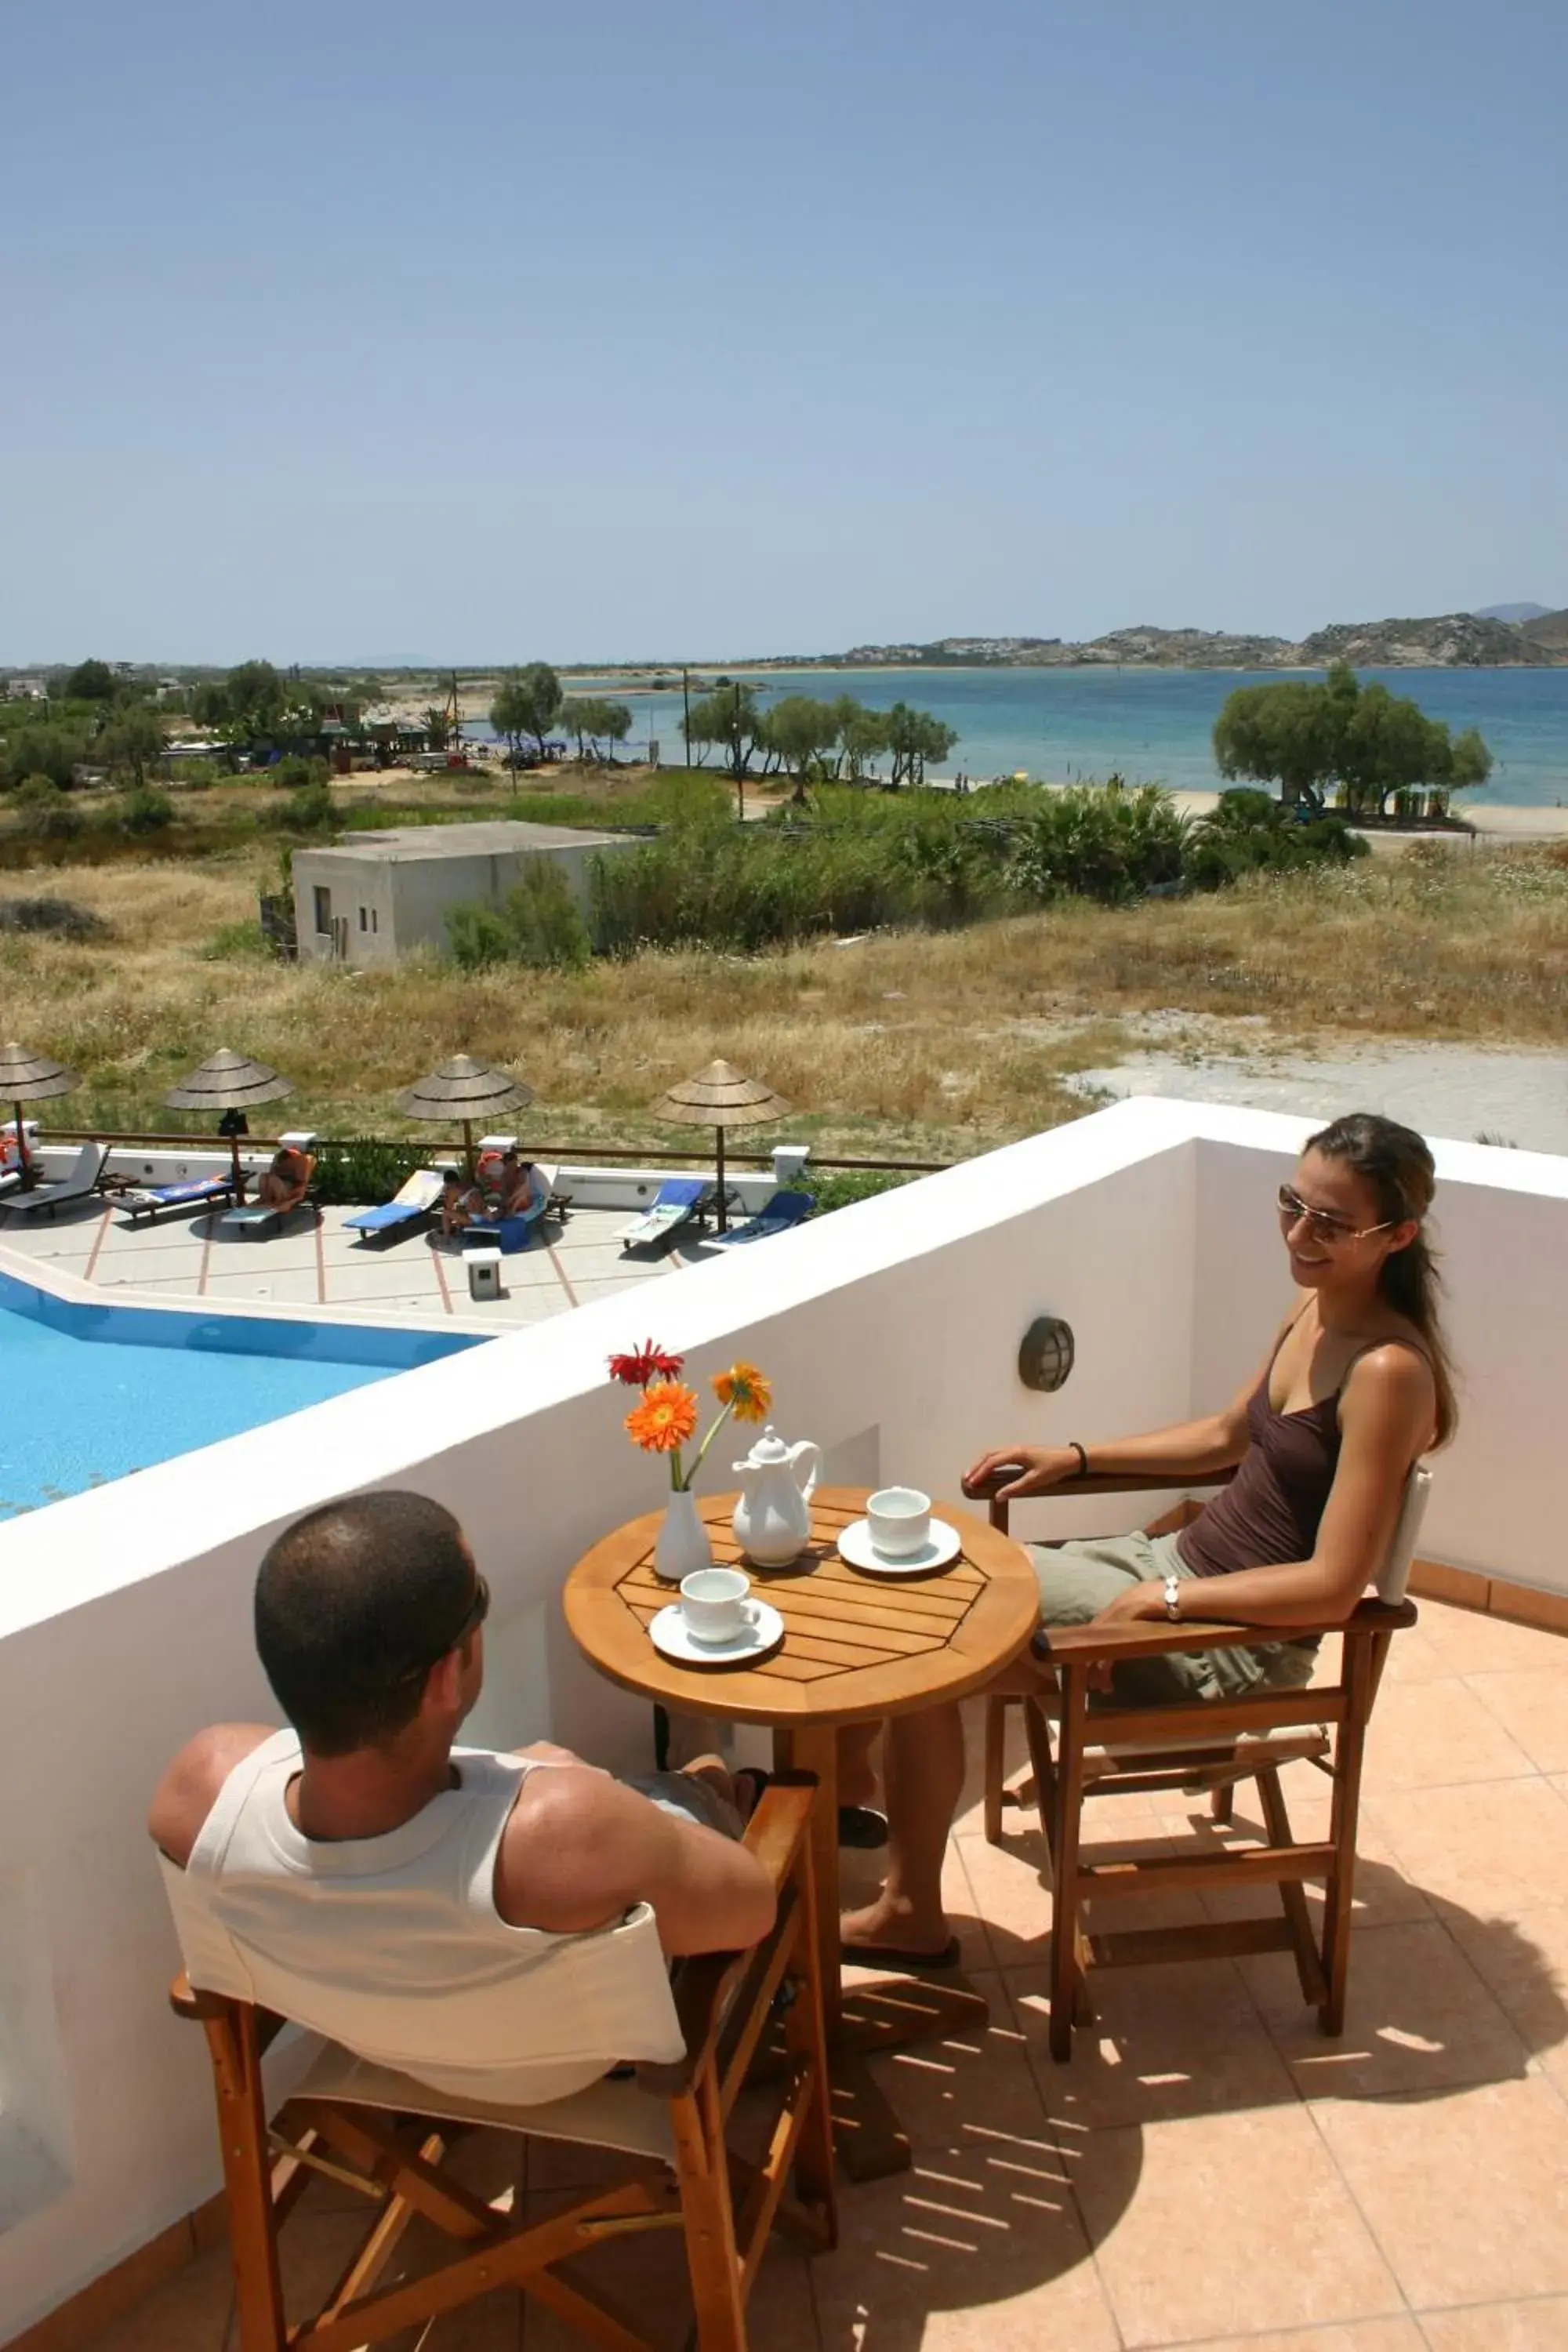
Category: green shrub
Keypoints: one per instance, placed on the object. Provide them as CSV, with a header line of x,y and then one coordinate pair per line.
x,y
1250,831
311,808
144,809
244,941
360,1171
837,1188
537,923
296,770
43,811
1105,843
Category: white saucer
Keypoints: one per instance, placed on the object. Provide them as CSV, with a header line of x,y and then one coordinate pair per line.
x,y
671,1638
940,1550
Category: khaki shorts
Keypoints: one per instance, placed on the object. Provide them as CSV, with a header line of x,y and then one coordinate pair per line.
x,y
1078,1579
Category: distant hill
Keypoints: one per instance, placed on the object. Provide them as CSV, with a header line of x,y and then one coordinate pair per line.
x,y
1549,632
1511,612
1447,640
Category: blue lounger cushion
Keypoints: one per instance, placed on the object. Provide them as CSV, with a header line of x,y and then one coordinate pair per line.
x,y
784,1210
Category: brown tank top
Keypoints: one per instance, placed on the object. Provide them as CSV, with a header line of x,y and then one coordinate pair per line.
x,y
1270,1510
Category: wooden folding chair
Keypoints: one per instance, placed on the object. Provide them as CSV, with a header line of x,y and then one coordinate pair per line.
x,y
1198,1746
387,2135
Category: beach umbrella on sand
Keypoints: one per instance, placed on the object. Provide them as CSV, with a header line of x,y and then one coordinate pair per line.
x,y
30,1078
721,1097
465,1090
228,1081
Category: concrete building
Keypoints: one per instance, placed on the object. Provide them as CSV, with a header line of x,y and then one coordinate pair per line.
x,y
371,899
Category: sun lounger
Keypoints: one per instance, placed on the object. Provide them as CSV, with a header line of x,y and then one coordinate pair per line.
x,y
784,1210
154,1201
408,1207
85,1179
680,1200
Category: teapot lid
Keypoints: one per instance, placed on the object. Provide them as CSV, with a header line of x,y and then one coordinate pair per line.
x,y
769,1447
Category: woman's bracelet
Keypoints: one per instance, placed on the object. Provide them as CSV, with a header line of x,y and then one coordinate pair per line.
x,y
1074,1448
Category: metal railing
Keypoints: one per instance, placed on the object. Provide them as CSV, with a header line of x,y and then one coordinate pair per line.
x,y
583,1152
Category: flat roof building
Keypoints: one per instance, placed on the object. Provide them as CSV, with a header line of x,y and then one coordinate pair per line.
x,y
370,899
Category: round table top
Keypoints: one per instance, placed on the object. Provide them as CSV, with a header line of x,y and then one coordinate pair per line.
x,y
855,1647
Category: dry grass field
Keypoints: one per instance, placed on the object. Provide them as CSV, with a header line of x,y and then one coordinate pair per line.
x,y
930,1043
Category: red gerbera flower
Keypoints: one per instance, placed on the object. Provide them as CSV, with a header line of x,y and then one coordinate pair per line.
x,y
650,1361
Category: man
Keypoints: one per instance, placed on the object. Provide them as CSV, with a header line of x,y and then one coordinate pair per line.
x,y
364,1849
521,1185
460,1203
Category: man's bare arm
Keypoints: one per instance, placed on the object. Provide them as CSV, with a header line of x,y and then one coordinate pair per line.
x,y
188,1789
580,1850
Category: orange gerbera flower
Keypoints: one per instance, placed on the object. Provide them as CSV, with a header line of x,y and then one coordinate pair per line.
x,y
747,1391
666,1418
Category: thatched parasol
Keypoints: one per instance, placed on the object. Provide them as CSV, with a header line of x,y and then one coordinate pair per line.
x,y
719,1097
228,1081
30,1078
465,1090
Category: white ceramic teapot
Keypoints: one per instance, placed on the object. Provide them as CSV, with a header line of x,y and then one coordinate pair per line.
x,y
772,1517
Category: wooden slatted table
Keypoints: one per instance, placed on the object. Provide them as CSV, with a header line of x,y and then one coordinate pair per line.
x,y
855,1649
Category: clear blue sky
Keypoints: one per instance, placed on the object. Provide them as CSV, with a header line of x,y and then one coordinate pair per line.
x,y
503,332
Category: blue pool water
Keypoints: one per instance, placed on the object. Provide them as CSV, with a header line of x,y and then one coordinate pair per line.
x,y
89,1393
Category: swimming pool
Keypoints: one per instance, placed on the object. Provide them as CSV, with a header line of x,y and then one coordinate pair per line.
x,y
90,1393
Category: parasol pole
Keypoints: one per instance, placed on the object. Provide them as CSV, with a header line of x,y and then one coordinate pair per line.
x,y
25,1165
723,1220
238,1176
468,1148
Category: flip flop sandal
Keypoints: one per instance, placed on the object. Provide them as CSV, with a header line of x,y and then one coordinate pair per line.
x,y
890,1956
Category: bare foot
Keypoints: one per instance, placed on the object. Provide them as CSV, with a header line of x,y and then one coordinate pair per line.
x,y
892,1921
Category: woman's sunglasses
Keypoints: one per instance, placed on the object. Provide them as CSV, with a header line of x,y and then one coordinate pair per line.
x,y
1322,1224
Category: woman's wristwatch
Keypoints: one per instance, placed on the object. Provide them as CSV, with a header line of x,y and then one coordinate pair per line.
x,y
1174,1598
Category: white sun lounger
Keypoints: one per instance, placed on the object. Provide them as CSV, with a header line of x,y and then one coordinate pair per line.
x,y
83,1180
678,1202
409,1206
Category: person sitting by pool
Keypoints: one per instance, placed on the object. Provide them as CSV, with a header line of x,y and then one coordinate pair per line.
x,y
1356,1388
519,1185
461,1202
284,1184
370,1863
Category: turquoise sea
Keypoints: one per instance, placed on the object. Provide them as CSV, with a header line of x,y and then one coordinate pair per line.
x,y
1154,725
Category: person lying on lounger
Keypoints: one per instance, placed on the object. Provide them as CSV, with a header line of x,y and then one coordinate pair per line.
x,y
284,1185
1356,1388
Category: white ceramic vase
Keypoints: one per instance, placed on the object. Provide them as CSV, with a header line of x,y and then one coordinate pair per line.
x,y
682,1545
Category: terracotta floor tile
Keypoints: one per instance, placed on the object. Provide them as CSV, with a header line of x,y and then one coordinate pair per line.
x,y
1353,2335
1525,1963
1437,1735
1414,1657
1382,1895
644,2279
1532,1705
971,2251
978,2085
1497,1849
191,2313
1287,2248
1180,2040
1468,2193
1500,2328
1486,1645
1418,2018
1008,1894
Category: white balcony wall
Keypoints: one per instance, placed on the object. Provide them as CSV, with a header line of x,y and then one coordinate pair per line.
x,y
890,1331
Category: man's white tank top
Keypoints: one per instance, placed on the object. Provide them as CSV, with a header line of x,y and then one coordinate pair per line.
x,y
393,1946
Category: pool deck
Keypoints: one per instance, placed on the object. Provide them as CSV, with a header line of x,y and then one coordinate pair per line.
x,y
320,1264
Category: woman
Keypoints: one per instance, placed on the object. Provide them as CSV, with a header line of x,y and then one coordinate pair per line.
x,y
1355,1389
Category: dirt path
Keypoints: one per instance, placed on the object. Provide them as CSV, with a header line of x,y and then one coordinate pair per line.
x,y
1472,1093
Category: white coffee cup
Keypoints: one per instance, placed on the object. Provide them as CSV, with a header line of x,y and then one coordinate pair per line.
x,y
899,1520
713,1604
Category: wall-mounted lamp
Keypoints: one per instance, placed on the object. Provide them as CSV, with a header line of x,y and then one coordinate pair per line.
x,y
1046,1353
